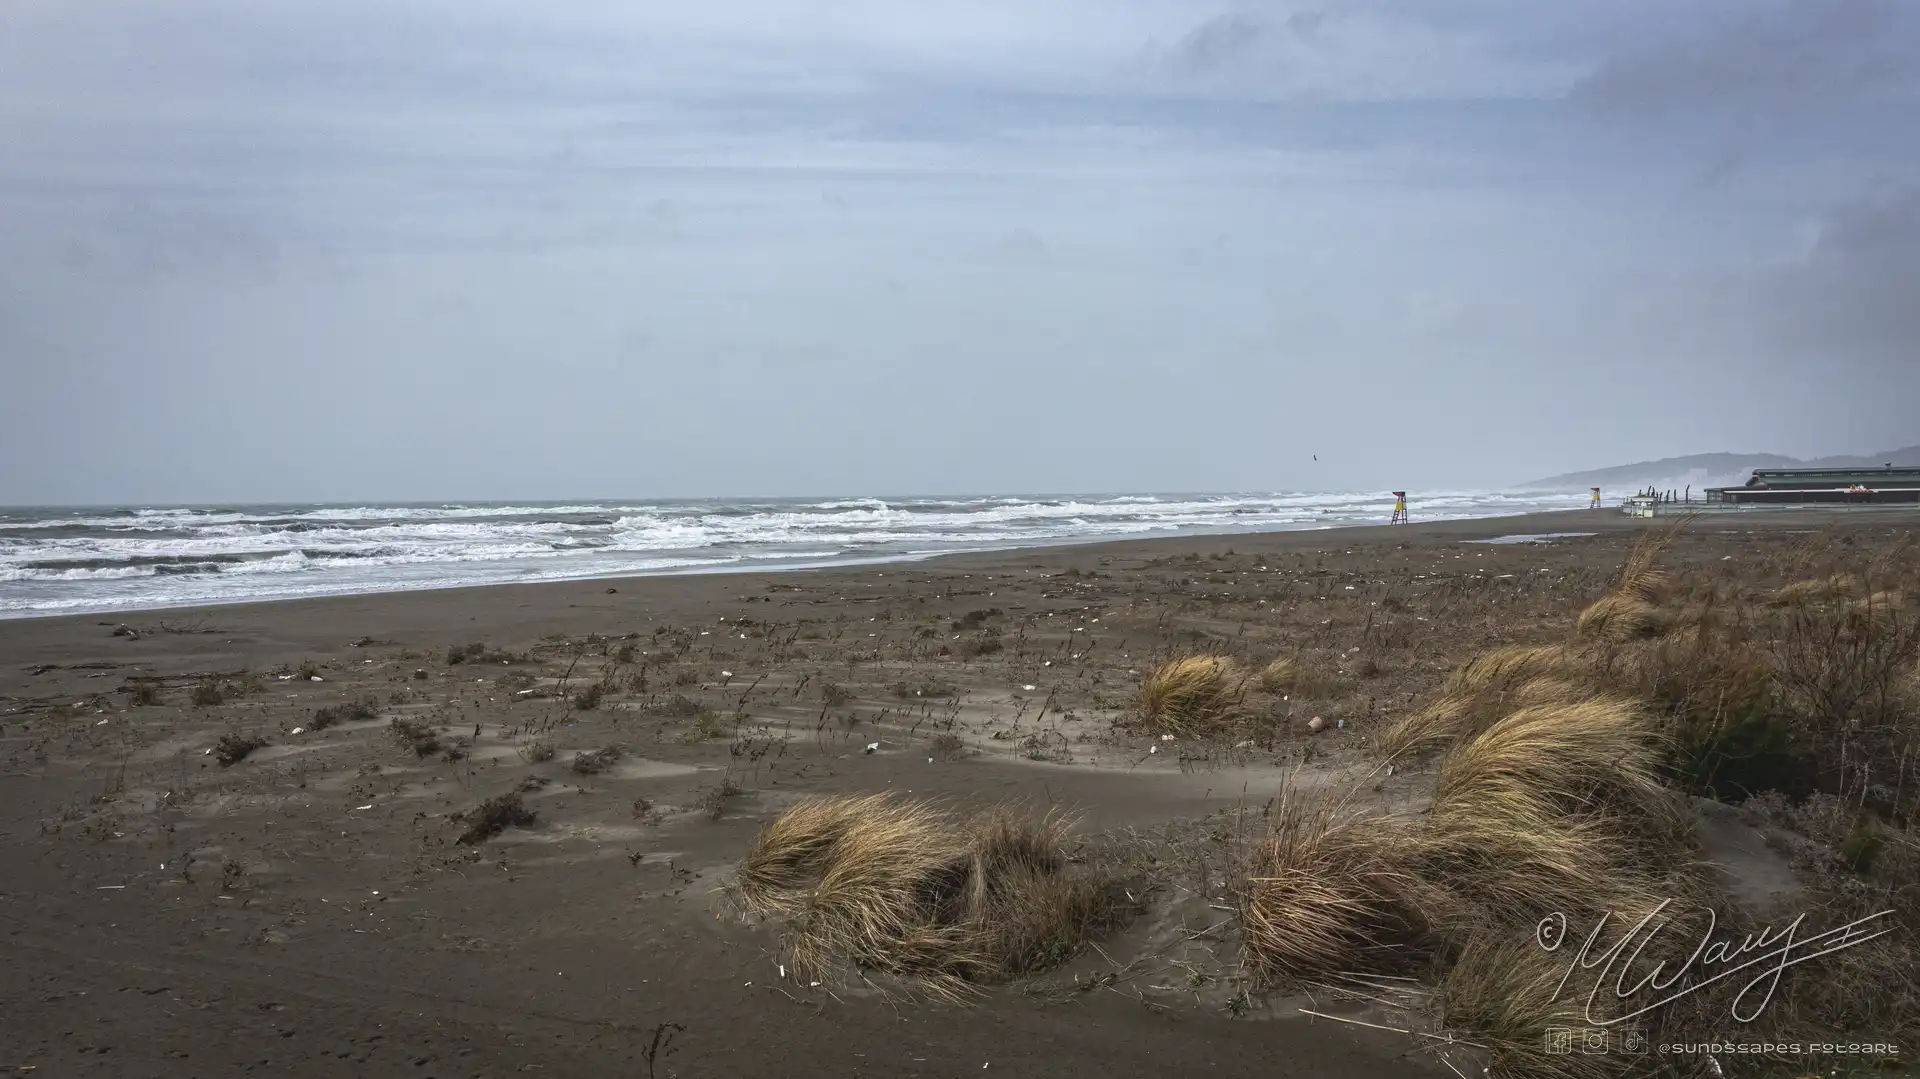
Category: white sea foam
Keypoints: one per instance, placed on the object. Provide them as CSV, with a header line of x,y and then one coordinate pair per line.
x,y
121,559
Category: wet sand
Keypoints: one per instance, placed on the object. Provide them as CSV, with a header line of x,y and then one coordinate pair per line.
x,y
309,910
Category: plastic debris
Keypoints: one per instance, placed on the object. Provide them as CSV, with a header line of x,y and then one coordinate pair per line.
x,y
1316,724
315,678
298,730
873,747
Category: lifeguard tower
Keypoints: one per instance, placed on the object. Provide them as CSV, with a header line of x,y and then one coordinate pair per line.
x,y
1399,508
1595,504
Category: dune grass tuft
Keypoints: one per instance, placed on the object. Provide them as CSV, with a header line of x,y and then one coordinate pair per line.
x,y
1505,994
1426,729
913,889
1577,755
1801,593
1619,618
1641,577
1328,890
1879,612
1455,715
1191,697
1281,675
1512,665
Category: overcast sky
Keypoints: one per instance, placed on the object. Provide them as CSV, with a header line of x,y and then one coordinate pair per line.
x,y
390,249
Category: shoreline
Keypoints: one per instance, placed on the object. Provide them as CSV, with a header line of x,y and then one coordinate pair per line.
x,y
203,565
1129,545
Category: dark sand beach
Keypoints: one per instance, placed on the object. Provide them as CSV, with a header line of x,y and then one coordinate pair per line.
x,y
310,910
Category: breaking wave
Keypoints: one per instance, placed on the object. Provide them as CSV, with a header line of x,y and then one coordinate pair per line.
x,y
122,558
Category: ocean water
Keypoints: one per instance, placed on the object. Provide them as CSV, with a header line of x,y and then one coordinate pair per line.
x,y
69,560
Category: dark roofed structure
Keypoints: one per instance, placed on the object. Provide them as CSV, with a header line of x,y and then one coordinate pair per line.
x,y
1787,486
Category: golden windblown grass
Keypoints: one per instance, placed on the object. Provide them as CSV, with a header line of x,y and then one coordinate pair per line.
x,y
1801,593
1479,692
1426,729
1514,665
1630,610
1547,808
1551,807
1641,577
1880,612
1580,754
1557,793
1328,890
913,889
1508,994
1547,799
1619,618
1192,696
1281,675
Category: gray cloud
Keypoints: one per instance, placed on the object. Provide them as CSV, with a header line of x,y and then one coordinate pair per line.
x,y
1802,53
1217,41
1856,291
721,249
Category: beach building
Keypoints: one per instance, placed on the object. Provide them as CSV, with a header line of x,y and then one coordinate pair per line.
x,y
1847,486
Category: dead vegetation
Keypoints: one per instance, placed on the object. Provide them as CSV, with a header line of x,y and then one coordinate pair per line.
x,y
478,652
1508,993
1191,697
418,737
231,749
1801,593
1478,692
1328,889
597,761
1281,675
978,645
350,712
912,889
1560,791
713,801
494,816
707,725
929,688
1619,619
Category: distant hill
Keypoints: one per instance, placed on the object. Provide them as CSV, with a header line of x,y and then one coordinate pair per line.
x,y
1702,470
